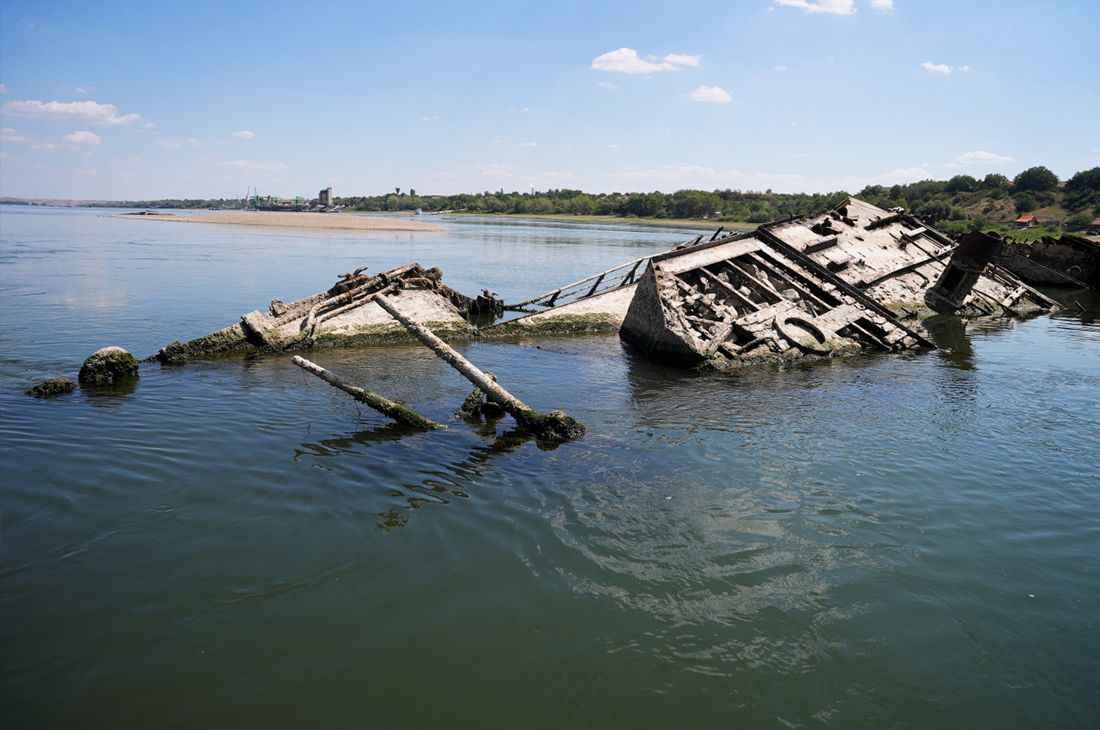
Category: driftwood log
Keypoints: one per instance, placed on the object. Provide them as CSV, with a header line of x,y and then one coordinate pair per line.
x,y
554,426
399,413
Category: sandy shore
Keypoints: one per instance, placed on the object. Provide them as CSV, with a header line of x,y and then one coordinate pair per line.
x,y
295,220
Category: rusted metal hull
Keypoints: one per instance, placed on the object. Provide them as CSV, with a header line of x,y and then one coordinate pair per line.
x,y
1066,261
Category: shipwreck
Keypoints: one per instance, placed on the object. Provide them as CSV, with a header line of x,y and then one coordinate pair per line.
x,y
849,279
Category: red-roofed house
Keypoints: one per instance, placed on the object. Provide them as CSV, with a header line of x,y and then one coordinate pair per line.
x,y
1025,221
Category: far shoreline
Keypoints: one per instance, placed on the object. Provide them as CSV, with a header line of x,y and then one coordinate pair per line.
x,y
313,221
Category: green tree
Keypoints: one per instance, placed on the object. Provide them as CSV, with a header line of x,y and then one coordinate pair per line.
x,y
994,181
1080,220
961,184
1025,203
1036,179
1084,180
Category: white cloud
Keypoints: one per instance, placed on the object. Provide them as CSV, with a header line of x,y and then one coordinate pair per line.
x,y
608,85
780,68
243,134
256,166
85,90
495,170
85,111
149,125
678,59
906,174
4,155
940,68
528,144
833,7
7,134
179,142
627,61
979,156
964,69
710,93
82,137
612,146
882,4
3,89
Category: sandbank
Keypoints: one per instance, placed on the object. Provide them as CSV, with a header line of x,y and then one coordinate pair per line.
x,y
293,220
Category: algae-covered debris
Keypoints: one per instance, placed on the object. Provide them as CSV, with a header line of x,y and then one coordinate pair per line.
x,y
51,387
108,364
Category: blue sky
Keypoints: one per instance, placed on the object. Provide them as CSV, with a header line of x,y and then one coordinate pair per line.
x,y
128,100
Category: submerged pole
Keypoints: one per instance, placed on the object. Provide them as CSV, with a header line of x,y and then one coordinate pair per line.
x,y
555,426
401,414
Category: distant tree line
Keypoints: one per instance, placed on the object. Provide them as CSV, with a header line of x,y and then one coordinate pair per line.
x,y
958,204
731,205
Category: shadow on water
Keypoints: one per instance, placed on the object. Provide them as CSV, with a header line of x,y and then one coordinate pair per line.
x,y
948,333
442,484
1083,303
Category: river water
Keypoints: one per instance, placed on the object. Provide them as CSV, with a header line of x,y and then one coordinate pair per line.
x,y
882,541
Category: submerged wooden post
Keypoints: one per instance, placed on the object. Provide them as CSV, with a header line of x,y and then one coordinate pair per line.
x,y
401,414
555,426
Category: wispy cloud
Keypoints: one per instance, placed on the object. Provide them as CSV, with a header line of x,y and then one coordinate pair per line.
x,y
7,134
256,166
3,89
179,142
612,146
678,59
243,134
85,90
939,68
429,119
626,60
528,144
608,85
832,7
979,156
78,111
780,69
711,94
82,137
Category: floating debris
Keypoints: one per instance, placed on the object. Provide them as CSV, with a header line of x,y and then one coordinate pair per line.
x,y
553,426
386,407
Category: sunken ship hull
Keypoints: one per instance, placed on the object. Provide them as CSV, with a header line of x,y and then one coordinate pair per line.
x,y
851,279
345,315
